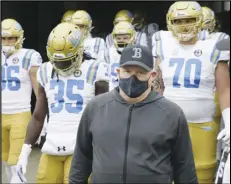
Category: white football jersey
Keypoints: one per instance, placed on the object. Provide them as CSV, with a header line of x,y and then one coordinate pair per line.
x,y
94,46
67,98
140,38
189,75
112,57
204,35
16,82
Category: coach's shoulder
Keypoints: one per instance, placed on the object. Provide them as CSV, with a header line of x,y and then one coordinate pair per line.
x,y
169,107
100,100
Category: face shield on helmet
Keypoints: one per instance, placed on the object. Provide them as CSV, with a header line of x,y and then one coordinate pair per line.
x,y
184,20
67,16
208,21
12,36
123,35
123,16
83,20
64,48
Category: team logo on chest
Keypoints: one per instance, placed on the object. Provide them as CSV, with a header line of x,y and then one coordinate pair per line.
x,y
198,53
78,73
15,60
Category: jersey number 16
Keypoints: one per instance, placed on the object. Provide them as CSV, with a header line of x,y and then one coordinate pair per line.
x,y
8,81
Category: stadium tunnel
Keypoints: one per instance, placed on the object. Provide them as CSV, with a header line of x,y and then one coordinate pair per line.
x,y
38,18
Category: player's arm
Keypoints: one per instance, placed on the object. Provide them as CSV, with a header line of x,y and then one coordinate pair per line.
x,y
36,61
36,124
223,89
158,84
101,84
32,73
33,131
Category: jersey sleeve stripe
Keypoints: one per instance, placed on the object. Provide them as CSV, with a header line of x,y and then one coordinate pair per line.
x,y
92,71
27,58
97,44
106,56
216,53
159,49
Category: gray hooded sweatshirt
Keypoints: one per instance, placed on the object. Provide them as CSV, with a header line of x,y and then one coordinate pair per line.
x,y
147,142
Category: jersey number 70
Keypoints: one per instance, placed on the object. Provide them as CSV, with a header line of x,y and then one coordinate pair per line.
x,y
188,74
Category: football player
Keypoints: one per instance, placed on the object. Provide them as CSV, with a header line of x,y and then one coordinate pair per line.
x,y
19,67
67,16
125,16
208,32
92,46
190,69
66,84
142,27
123,35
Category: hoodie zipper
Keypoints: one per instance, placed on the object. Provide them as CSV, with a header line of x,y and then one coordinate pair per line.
x,y
126,144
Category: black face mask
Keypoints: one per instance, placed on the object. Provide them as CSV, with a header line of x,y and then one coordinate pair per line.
x,y
133,87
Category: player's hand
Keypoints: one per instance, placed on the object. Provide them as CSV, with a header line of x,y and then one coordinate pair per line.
x,y
23,159
225,136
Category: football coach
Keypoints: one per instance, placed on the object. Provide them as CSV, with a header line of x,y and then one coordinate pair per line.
x,y
132,134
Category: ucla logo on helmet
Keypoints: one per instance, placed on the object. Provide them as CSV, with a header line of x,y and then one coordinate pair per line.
x,y
18,26
74,38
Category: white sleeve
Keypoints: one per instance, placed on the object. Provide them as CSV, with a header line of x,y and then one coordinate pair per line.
x,y
102,72
36,59
42,75
109,41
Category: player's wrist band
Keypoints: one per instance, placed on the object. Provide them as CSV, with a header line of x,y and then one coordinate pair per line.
x,y
226,116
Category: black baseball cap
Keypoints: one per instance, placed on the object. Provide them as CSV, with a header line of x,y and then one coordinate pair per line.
x,y
223,44
137,55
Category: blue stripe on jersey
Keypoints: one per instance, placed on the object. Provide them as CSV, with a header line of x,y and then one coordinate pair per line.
x,y
159,49
110,40
97,44
95,72
27,59
215,55
106,56
92,71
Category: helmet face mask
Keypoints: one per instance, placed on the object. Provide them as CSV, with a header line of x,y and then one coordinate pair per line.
x,y
184,29
68,67
12,36
64,48
123,40
184,20
123,35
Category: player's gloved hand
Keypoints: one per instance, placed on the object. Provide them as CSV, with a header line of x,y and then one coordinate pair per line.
x,y
22,161
225,133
